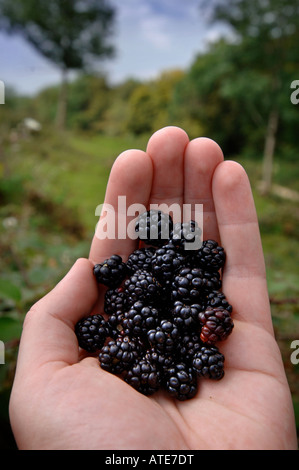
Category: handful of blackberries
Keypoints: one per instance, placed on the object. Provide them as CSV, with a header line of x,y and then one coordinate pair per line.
x,y
164,310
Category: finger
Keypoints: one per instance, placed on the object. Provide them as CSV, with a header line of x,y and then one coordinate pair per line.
x,y
48,332
201,158
244,277
166,148
129,184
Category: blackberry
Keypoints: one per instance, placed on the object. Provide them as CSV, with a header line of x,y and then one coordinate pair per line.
x,y
120,353
160,359
190,285
114,307
165,262
185,316
114,301
189,345
154,227
216,325
209,363
92,332
143,286
140,259
217,298
210,256
144,376
111,272
181,381
186,235
140,318
164,337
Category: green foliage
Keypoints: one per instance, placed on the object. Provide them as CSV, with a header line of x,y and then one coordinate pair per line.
x,y
67,32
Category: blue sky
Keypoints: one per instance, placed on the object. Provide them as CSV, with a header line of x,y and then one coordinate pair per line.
x,y
150,36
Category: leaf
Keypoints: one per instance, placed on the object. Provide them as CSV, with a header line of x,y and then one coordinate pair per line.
x,y
8,290
10,328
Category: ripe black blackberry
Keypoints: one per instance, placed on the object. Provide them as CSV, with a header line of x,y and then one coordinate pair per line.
x,y
92,332
189,345
140,259
115,300
180,381
144,376
166,261
111,272
120,353
154,227
142,285
164,337
140,318
186,236
209,362
185,316
160,359
210,256
190,285
216,298
216,325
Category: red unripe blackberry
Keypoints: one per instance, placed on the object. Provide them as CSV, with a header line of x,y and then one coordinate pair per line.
x,y
216,325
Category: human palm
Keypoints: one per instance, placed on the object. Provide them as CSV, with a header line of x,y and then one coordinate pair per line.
x,y
62,399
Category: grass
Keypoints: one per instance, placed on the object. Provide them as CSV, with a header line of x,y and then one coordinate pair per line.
x,y
50,191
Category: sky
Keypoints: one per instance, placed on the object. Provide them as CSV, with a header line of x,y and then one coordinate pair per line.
x,y
150,36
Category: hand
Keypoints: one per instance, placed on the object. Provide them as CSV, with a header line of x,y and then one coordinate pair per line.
x,y
62,400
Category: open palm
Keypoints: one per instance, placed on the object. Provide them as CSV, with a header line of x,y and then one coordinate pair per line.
x,y
61,400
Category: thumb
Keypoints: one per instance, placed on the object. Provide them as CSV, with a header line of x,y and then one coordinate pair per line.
x,y
48,330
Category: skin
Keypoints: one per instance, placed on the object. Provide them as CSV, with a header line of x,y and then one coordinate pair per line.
x,y
62,399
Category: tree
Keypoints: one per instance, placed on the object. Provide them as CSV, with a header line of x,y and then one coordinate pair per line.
x,y
266,37
70,33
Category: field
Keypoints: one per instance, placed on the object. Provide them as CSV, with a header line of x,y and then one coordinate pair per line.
x,y
49,189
